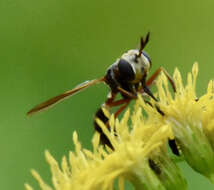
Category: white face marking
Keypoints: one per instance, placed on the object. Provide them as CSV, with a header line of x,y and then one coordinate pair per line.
x,y
143,62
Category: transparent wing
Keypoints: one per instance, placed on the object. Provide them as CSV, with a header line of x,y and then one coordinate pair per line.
x,y
61,97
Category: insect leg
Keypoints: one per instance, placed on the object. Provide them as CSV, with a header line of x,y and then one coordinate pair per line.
x,y
147,91
126,101
150,81
109,103
101,115
126,93
118,102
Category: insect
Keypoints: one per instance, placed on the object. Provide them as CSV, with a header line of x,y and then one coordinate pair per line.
x,y
126,76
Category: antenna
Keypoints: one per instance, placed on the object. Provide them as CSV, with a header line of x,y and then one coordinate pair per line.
x,y
143,44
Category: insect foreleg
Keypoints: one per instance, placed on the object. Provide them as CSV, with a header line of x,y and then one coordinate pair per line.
x,y
150,81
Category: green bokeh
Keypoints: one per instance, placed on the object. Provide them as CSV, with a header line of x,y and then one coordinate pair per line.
x,y
49,46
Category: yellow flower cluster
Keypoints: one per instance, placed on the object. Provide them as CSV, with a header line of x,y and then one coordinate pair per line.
x,y
139,146
99,169
191,119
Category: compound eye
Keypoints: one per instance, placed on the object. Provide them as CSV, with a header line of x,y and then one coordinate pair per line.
x,y
125,70
147,56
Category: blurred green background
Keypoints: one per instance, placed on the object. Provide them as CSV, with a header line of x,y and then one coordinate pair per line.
x,y
49,46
